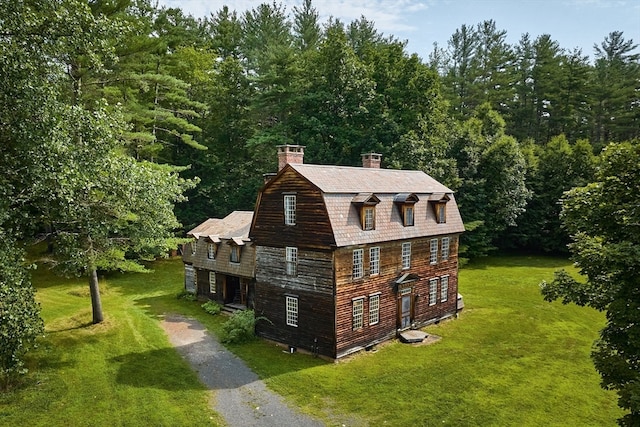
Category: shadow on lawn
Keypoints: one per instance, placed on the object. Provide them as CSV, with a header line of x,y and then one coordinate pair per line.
x,y
517,260
154,369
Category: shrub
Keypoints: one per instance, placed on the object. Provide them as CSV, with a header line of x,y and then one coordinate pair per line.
x,y
187,296
20,322
212,307
241,327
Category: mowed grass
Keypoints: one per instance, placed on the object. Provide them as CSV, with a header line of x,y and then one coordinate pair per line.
x,y
510,359
122,372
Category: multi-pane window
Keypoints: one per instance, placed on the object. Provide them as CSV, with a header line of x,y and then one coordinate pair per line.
x,y
211,251
374,261
235,254
433,291
194,245
369,218
445,249
441,213
433,255
444,288
212,282
408,216
292,261
290,209
406,255
358,313
189,278
292,311
358,270
374,309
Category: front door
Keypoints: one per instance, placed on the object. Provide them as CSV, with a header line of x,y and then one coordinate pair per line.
x,y
233,294
404,309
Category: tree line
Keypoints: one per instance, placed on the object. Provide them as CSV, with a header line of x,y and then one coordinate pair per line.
x,y
121,120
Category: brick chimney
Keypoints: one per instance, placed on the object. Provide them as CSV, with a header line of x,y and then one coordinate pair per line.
x,y
371,160
290,154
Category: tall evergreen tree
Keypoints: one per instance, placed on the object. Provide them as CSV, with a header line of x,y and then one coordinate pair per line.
x,y
616,86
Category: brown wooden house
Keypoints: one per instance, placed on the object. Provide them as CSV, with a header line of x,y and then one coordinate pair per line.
x,y
345,257
220,262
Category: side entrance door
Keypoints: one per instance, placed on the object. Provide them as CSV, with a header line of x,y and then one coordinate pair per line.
x,y
405,308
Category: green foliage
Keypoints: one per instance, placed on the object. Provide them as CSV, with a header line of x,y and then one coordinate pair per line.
x,y
492,169
187,296
496,349
604,222
122,371
240,328
212,307
20,322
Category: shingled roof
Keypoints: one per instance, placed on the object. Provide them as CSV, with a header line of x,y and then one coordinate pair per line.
x,y
234,226
341,185
346,179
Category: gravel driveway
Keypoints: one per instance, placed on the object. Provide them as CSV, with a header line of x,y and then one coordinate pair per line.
x,y
241,398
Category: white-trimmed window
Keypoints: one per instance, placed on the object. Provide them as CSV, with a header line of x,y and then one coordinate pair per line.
x,y
408,215
444,288
374,309
212,282
358,270
194,246
433,256
374,261
358,313
441,213
406,255
235,254
290,209
292,311
433,291
369,218
189,278
211,251
445,249
291,260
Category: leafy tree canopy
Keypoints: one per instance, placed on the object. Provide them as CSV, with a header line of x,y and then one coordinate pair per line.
x,y
603,219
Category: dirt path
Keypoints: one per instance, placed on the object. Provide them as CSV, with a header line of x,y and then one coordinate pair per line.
x,y
241,397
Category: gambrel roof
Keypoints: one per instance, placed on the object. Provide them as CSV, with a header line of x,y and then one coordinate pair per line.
x,y
234,226
346,179
341,185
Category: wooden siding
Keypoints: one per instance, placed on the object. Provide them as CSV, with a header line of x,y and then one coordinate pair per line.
x,y
221,263
312,229
313,286
315,270
348,289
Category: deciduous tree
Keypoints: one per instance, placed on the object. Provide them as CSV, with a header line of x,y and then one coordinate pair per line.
x,y
603,219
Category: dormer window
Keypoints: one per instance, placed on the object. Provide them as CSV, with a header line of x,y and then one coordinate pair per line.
x,y
369,213
439,203
366,205
441,213
405,203
235,254
236,244
212,246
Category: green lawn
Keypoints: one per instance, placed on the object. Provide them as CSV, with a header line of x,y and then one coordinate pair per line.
x,y
510,359
122,372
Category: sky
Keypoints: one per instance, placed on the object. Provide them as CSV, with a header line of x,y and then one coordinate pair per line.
x,y
572,23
